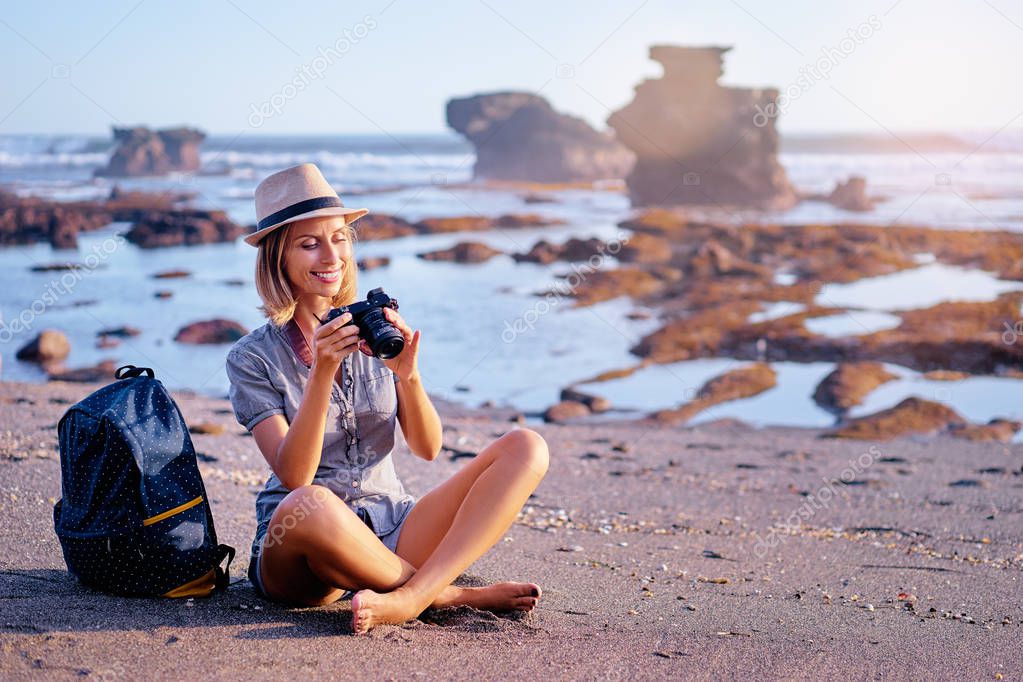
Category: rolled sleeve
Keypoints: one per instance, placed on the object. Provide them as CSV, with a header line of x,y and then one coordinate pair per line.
x,y
252,395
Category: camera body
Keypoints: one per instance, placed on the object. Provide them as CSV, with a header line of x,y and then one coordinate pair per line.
x,y
383,338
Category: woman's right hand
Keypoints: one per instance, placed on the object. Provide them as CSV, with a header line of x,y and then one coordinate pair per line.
x,y
334,341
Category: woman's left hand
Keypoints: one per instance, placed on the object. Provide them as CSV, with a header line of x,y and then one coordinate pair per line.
x,y
405,363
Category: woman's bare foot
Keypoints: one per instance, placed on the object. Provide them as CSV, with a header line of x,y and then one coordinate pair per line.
x,y
497,597
370,608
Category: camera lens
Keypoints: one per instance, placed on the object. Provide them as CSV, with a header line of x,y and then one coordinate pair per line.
x,y
389,347
381,336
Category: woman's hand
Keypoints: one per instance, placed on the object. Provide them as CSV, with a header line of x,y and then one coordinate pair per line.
x,y
405,363
334,341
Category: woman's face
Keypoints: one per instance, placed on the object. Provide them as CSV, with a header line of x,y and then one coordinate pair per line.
x,y
317,254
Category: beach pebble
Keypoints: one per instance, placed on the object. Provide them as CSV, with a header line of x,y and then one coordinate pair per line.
x,y
573,548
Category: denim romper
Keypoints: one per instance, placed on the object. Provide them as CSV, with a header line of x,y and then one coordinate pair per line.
x,y
268,369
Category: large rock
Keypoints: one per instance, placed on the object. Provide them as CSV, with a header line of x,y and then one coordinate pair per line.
x,y
849,384
183,227
594,403
141,151
996,430
211,331
564,411
518,136
462,252
744,382
572,250
382,226
100,372
851,195
160,219
697,142
49,346
912,415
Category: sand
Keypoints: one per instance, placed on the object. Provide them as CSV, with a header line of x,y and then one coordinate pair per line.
x,y
705,552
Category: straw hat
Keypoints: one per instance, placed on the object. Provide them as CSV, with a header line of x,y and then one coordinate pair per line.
x,y
296,193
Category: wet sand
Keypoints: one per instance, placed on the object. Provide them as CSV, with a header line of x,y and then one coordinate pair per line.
x,y
703,552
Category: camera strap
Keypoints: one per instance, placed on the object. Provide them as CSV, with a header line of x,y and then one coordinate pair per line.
x,y
296,339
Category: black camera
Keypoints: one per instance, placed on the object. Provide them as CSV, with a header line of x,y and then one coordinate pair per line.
x,y
382,337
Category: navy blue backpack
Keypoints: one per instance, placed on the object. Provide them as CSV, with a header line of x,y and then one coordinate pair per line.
x,y
134,518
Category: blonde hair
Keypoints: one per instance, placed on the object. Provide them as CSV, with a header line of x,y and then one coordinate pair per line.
x,y
279,301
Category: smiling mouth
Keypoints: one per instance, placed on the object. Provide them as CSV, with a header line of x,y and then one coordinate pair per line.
x,y
327,275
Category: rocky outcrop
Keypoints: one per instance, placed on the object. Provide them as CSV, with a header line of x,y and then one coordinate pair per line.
x,y
183,227
744,382
594,403
918,416
518,136
697,142
102,371
373,262
996,430
851,195
382,226
603,285
462,252
159,219
143,152
714,259
572,250
565,411
481,223
644,248
49,346
912,415
211,331
849,384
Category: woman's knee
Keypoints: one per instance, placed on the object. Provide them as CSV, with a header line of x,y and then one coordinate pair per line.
x,y
529,448
305,511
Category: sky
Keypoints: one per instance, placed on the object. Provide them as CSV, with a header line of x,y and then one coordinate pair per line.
x,y
389,66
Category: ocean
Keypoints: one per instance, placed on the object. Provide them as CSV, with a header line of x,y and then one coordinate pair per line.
x,y
964,181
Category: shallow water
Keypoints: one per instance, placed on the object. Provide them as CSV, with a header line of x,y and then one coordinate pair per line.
x,y
465,311
920,287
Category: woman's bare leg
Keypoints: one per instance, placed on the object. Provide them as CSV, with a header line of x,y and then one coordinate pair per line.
x,y
506,473
316,548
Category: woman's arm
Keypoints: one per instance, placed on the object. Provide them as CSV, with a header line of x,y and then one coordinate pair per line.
x,y
417,416
419,420
298,453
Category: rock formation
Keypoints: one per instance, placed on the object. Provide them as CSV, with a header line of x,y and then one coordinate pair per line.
x,y
462,252
849,384
160,219
518,136
697,142
141,151
744,382
850,195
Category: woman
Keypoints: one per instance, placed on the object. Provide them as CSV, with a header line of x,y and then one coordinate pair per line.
x,y
333,516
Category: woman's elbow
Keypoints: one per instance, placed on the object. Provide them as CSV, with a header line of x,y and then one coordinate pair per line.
x,y
429,451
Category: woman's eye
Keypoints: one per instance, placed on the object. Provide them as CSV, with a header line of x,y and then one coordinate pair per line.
x,y
308,246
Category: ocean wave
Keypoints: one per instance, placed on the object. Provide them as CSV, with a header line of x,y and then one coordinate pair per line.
x,y
340,161
57,159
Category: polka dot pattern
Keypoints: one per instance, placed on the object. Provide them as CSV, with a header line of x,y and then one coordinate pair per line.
x,y
134,518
